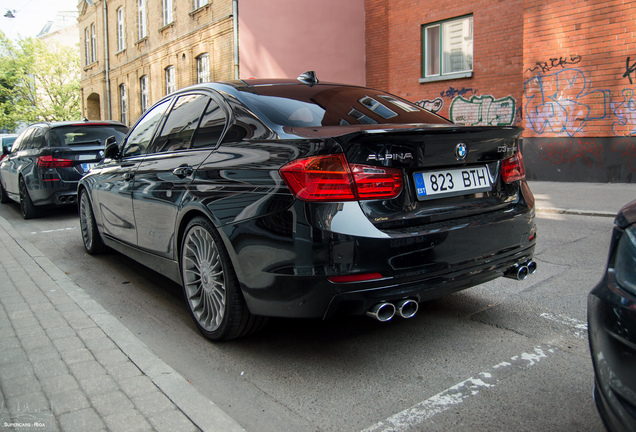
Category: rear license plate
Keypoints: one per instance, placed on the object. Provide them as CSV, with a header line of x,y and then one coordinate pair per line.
x,y
86,167
460,181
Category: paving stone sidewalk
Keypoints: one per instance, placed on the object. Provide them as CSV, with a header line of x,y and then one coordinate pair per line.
x,y
67,364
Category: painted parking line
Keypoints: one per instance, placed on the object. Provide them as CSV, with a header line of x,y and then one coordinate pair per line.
x,y
460,392
52,231
577,327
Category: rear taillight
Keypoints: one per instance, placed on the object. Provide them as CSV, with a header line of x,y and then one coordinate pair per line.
x,y
513,169
331,178
51,162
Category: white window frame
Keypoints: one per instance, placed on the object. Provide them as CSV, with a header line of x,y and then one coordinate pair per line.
x,y
167,12
203,68
141,18
171,82
144,93
87,46
93,43
121,30
444,46
123,104
199,4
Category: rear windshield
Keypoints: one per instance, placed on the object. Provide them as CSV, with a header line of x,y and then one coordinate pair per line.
x,y
85,135
334,105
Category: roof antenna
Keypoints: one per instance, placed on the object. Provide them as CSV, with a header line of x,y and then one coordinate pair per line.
x,y
310,78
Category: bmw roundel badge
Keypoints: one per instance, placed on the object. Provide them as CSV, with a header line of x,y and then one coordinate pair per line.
x,y
461,151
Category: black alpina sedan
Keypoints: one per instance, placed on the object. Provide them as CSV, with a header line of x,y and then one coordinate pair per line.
x,y
611,309
294,198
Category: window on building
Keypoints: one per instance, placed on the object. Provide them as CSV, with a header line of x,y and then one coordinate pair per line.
x,y
448,48
199,3
87,46
141,17
144,93
171,84
203,68
167,12
93,43
123,104
121,30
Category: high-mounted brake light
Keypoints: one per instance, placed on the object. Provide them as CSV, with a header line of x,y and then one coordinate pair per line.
x,y
513,169
51,162
331,178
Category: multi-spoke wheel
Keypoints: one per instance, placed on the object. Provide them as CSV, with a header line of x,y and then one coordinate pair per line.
x,y
210,286
90,235
26,205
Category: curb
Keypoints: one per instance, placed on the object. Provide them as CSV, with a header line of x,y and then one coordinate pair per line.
x,y
595,213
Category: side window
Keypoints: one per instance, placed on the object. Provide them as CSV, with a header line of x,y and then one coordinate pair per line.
x,y
182,121
140,137
212,126
37,139
22,141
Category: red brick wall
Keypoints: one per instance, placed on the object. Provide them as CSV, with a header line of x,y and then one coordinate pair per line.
x,y
394,53
576,69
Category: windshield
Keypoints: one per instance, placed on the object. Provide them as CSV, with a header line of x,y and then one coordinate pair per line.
x,y
85,135
334,105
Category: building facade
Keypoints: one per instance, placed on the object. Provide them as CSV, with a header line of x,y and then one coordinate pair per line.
x,y
563,70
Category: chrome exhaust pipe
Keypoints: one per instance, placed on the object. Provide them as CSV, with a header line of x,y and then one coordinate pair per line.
x,y
518,272
382,312
532,267
406,308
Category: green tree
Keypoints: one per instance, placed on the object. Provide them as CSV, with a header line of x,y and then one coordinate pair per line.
x,y
39,81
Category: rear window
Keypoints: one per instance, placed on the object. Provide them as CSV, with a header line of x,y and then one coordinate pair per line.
x,y
68,136
333,105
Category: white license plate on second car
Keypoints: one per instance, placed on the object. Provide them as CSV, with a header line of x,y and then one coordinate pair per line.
x,y
459,181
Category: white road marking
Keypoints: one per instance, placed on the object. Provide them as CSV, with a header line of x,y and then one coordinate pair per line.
x,y
51,231
459,392
578,327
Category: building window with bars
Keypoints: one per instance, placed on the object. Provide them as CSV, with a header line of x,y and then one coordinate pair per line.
x,y
448,49
123,104
121,30
144,93
167,12
203,68
171,85
141,18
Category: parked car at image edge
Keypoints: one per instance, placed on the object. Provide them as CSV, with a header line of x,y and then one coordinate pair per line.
x,y
612,328
6,141
294,198
47,160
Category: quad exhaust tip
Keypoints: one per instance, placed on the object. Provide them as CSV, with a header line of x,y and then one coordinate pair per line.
x,y
385,311
521,271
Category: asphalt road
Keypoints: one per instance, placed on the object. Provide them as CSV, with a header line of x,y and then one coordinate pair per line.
x,y
503,356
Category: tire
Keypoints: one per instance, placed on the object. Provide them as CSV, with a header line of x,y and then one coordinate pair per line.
x,y
93,242
27,208
210,285
4,198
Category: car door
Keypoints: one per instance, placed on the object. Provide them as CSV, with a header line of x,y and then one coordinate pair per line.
x,y
162,178
114,185
15,162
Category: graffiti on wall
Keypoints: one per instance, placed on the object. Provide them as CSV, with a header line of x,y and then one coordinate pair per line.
x,y
629,70
452,92
434,105
483,111
547,66
627,150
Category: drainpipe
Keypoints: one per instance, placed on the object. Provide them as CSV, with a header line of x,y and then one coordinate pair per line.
x,y
236,43
107,63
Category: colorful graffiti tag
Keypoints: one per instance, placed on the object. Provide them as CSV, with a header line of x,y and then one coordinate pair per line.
x,y
434,105
483,111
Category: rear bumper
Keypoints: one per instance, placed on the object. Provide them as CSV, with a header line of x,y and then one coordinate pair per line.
x,y
53,193
286,274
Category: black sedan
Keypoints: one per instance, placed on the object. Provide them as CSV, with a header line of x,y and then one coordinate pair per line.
x,y
301,199
612,328
47,160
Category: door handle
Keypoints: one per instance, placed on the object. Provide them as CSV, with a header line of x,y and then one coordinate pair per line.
x,y
183,171
129,176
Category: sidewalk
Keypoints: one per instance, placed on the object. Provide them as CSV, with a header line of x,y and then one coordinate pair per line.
x,y
67,364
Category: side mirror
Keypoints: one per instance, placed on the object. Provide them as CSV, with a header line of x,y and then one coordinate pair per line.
x,y
111,148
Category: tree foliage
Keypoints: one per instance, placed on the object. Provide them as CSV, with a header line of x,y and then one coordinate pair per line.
x,y
39,81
